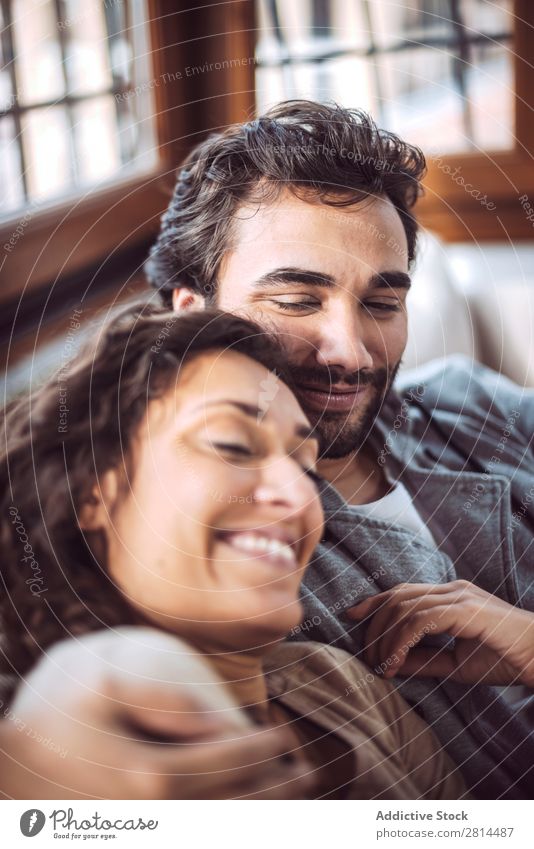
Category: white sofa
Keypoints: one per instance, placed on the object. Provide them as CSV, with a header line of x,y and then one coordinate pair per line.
x,y
492,323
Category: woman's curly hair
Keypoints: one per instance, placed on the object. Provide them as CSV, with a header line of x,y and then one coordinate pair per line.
x,y
55,580
318,151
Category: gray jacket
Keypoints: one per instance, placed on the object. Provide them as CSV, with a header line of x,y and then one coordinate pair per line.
x,y
459,437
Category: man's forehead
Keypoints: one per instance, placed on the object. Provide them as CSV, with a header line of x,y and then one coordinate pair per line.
x,y
289,220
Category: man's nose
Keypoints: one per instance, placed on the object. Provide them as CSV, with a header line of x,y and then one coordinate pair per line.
x,y
341,342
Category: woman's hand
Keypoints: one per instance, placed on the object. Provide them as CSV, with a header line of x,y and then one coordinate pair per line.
x,y
494,641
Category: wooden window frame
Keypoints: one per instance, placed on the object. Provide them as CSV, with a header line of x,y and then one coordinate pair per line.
x,y
504,176
79,233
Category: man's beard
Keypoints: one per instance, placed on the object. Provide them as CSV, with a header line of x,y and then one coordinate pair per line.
x,y
341,434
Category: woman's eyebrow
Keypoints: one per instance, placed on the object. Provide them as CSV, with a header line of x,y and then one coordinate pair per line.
x,y
304,431
285,276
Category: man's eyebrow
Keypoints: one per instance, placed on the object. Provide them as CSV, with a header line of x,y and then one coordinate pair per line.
x,y
283,276
390,280
286,276
303,431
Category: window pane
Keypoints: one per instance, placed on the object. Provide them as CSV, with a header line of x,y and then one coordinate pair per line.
x,y
46,134
411,20
12,194
6,91
491,87
37,52
76,62
136,133
350,24
84,30
492,18
270,88
96,142
341,78
420,98
118,43
417,66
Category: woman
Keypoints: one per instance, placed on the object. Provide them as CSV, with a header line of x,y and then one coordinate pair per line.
x,y
180,493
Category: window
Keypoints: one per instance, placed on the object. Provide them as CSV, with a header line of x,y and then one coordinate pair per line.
x,y
67,120
414,65
128,114
452,76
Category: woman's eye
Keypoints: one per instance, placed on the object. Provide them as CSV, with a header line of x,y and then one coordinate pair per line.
x,y
312,474
295,306
235,448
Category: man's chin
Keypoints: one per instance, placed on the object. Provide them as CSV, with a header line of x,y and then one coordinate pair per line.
x,y
344,433
334,444
340,436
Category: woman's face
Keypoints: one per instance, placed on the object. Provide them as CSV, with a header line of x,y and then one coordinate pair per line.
x,y
221,517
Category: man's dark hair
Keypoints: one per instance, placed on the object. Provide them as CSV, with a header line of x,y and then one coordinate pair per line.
x,y
318,151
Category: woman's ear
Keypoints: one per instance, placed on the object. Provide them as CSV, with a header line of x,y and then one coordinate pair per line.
x,y
186,299
94,515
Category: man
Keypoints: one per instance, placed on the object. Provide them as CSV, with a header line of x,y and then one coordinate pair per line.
x,y
302,220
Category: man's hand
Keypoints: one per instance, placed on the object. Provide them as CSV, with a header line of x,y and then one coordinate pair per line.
x,y
494,641
137,714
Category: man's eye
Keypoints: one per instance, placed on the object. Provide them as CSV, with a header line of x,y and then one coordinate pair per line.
x,y
295,306
381,306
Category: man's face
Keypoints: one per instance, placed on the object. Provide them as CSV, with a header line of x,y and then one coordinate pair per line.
x,y
332,282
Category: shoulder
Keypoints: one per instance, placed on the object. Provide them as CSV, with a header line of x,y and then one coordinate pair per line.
x,y
331,672
454,371
290,654
460,385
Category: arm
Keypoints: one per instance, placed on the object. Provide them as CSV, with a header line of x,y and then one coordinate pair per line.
x,y
136,714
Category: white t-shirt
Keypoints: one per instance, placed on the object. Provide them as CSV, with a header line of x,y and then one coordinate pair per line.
x,y
397,508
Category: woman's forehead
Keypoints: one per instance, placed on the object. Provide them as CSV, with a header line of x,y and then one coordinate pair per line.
x,y
226,375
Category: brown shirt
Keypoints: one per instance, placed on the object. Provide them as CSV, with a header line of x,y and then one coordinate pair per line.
x,y
359,733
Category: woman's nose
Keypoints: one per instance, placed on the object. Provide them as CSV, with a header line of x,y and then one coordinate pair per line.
x,y
284,483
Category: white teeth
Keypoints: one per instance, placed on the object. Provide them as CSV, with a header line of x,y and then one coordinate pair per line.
x,y
263,545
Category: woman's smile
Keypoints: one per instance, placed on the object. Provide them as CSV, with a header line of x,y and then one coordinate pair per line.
x,y
271,545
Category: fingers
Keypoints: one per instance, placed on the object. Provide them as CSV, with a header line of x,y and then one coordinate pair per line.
x,y
402,616
429,663
243,752
250,764
173,716
401,639
384,629
404,592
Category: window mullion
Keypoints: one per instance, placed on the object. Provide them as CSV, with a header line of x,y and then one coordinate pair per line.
x,y
460,63
9,53
59,6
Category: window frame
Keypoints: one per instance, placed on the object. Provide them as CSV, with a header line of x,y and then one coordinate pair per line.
x,y
80,232
446,208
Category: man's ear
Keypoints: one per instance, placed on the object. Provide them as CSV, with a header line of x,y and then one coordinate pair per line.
x,y
187,299
94,515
